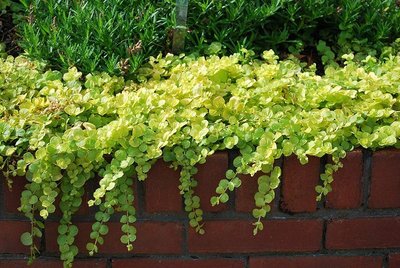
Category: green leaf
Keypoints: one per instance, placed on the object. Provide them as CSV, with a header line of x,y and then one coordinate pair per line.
x,y
10,151
263,188
237,182
29,158
124,239
33,200
120,155
73,230
319,189
224,198
44,213
73,110
103,230
230,174
94,235
259,202
224,183
26,239
237,162
90,247
62,229
214,201
37,232
124,219
193,223
274,183
214,48
219,190
268,198
131,219
132,238
231,186
230,142
100,240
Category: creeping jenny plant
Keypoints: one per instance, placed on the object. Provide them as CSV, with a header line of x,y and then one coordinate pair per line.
x,y
62,130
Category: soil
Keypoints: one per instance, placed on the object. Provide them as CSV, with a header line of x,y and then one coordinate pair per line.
x,y
8,34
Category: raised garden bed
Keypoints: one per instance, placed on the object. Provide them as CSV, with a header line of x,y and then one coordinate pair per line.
x,y
107,167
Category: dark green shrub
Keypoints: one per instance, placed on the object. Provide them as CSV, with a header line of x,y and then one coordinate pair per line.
x,y
292,25
117,35
102,35
3,5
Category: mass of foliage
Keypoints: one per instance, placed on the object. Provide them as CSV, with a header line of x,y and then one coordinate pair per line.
x,y
62,130
68,117
117,36
114,35
291,25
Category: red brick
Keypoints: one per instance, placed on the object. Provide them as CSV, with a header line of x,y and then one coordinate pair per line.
x,y
161,189
51,263
95,263
363,233
298,186
208,177
236,236
244,195
394,260
10,233
152,237
153,263
385,179
346,186
316,262
12,197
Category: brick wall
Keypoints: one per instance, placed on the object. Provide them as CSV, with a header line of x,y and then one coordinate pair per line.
x,y
358,225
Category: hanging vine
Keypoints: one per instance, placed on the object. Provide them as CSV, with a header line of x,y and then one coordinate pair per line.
x,y
63,130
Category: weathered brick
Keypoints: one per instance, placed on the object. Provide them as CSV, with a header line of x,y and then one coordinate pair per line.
x,y
52,263
95,263
394,260
346,186
244,195
10,233
316,262
385,179
12,197
298,186
161,189
236,236
152,238
208,176
363,233
175,263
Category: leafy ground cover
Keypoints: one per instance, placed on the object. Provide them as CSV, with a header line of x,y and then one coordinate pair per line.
x,y
61,129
